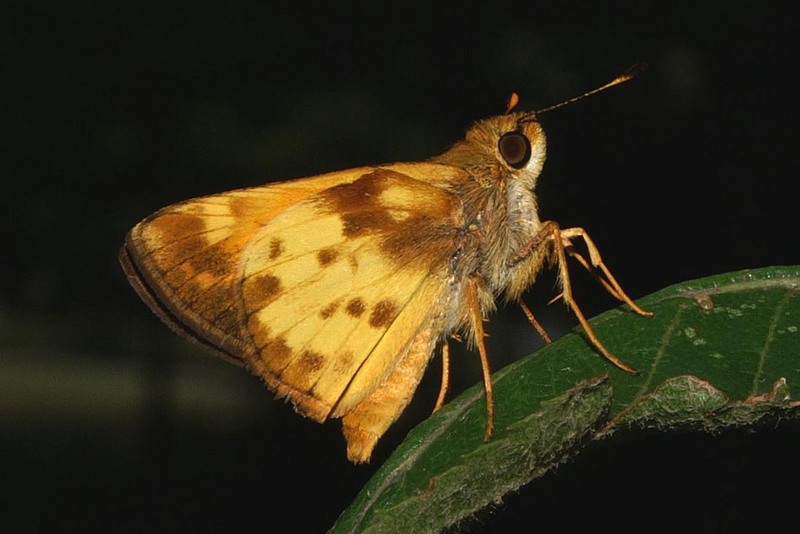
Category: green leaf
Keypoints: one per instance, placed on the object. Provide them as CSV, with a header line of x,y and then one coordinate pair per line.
x,y
720,352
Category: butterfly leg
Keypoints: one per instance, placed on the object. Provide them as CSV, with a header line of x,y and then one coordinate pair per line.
x,y
536,324
551,233
476,320
607,279
445,377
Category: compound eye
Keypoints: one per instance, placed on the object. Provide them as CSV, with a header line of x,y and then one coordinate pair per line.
x,y
515,149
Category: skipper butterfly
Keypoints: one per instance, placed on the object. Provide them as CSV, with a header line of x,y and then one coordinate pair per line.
x,y
336,289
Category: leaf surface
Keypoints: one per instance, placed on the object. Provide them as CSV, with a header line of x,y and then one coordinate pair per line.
x,y
720,352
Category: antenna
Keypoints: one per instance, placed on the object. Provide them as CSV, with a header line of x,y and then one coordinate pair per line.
x,y
624,77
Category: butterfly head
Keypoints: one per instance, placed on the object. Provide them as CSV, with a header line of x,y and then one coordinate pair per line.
x,y
506,147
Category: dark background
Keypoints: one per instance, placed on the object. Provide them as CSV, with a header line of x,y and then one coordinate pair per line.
x,y
112,110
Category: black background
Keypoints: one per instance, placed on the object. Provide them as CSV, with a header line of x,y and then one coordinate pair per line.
x,y
112,110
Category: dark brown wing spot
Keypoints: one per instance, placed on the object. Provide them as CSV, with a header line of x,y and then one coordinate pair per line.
x,y
326,256
178,275
226,317
173,226
362,193
207,301
382,314
174,251
277,354
259,290
361,222
311,361
275,248
343,361
215,260
420,239
259,333
356,307
329,310
239,207
360,202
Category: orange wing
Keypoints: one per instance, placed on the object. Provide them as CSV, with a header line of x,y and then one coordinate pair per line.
x,y
333,289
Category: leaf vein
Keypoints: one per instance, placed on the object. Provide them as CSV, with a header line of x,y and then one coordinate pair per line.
x,y
773,324
663,343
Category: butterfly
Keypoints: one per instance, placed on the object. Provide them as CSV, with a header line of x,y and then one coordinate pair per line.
x,y
336,289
